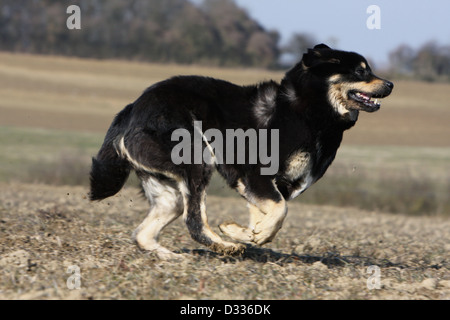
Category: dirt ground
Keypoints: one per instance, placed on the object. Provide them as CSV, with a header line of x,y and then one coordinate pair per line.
x,y
53,241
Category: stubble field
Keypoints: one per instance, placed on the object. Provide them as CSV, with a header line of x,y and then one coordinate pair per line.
x,y
54,112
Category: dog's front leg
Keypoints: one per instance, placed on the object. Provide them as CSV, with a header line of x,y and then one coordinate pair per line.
x,y
267,226
197,223
240,233
267,212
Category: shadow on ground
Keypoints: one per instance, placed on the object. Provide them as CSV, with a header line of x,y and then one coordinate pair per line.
x,y
330,259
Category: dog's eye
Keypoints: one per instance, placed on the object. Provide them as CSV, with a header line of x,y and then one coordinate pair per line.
x,y
360,72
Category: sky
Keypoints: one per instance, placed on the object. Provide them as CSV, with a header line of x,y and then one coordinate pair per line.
x,y
342,23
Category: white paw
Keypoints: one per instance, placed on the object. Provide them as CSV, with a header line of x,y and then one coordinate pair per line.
x,y
263,237
168,255
236,232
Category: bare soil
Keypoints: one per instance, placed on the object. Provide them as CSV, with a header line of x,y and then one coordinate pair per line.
x,y
321,252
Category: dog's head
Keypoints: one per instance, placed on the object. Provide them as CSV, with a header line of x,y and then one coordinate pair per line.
x,y
349,81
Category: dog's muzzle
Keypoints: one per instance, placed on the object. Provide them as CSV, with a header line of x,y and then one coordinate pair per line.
x,y
369,102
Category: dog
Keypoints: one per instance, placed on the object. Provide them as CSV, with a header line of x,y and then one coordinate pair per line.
x,y
317,100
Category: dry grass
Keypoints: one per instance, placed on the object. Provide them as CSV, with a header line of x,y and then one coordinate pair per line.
x,y
410,180
54,113
70,86
372,171
321,252
82,94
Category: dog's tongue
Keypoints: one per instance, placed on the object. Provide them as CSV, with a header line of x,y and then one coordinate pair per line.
x,y
364,96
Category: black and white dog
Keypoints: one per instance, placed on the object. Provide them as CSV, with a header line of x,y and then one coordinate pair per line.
x,y
310,109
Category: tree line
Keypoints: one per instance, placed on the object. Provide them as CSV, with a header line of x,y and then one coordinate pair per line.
x,y
212,32
430,62
215,32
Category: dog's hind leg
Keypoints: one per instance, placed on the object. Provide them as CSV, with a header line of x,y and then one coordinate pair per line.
x,y
166,205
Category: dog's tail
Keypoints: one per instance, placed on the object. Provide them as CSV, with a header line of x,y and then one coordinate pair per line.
x,y
109,171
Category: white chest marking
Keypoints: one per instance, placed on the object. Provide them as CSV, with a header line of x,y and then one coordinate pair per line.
x,y
307,182
298,167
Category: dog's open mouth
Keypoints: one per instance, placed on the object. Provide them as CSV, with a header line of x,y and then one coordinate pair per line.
x,y
368,102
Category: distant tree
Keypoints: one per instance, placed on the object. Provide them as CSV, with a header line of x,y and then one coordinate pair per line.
x,y
244,40
262,48
401,59
216,32
431,62
443,64
298,44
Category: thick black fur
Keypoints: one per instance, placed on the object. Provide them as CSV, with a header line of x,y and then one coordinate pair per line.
x,y
299,107
109,171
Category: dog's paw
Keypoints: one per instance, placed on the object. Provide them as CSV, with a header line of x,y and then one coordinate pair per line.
x,y
236,232
161,253
263,237
169,255
228,248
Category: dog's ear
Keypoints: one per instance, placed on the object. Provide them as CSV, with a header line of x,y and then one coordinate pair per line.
x,y
322,46
315,57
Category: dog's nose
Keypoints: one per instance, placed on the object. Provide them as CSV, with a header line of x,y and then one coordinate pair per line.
x,y
389,84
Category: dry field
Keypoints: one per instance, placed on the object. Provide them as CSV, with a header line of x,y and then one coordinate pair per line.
x,y
53,114
321,253
83,95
